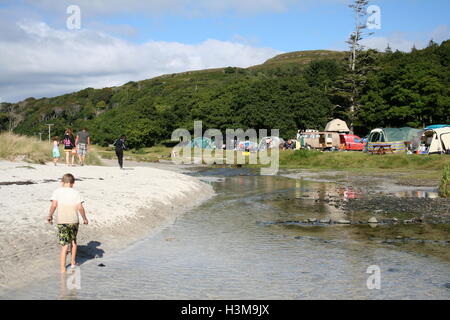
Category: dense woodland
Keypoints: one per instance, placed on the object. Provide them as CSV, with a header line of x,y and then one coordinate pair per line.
x,y
299,90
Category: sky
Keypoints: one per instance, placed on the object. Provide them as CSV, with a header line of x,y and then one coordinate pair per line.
x,y
46,49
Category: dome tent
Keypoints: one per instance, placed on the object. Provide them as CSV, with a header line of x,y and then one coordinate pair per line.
x,y
247,145
337,125
202,143
436,141
394,137
270,143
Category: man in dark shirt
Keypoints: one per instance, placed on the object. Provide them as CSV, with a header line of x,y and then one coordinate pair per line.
x,y
82,142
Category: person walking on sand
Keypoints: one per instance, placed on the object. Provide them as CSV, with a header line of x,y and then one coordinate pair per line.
x,y
82,142
120,147
68,203
55,152
69,146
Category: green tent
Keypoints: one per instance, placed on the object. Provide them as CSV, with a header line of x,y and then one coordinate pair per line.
x,y
400,134
394,137
202,143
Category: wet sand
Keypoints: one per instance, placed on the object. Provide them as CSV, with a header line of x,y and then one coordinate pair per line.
x,y
122,207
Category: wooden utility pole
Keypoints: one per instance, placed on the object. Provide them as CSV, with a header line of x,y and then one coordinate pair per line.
x,y
49,131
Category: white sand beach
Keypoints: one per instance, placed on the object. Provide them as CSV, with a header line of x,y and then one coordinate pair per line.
x,y
122,207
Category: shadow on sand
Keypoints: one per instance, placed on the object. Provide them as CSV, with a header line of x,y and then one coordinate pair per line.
x,y
89,252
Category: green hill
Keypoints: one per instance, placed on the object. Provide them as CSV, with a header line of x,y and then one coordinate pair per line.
x,y
289,92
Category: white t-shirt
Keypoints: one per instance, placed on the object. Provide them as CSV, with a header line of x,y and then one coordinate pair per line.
x,y
68,200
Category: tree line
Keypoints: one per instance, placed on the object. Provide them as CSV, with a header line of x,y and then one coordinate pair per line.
x,y
398,89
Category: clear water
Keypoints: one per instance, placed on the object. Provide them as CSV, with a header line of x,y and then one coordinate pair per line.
x,y
234,247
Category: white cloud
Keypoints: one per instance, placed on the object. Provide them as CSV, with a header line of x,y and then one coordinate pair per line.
x,y
42,61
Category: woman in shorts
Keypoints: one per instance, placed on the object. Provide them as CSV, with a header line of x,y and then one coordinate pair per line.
x,y
69,146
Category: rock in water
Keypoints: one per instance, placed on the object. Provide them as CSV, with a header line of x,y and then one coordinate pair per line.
x,y
373,220
343,222
312,220
325,221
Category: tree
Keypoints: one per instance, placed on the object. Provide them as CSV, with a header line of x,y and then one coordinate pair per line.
x,y
350,85
388,49
12,115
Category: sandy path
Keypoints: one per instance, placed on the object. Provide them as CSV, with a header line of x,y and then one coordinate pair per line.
x,y
122,205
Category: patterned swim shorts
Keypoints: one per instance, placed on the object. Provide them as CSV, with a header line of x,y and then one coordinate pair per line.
x,y
67,233
82,149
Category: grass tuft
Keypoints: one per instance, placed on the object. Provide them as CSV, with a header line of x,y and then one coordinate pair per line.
x,y
22,148
444,188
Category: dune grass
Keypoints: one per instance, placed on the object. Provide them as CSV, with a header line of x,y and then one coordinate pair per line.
x,y
22,148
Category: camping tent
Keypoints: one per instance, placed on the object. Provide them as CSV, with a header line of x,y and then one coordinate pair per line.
x,y
337,125
270,143
247,146
394,138
436,141
437,126
202,143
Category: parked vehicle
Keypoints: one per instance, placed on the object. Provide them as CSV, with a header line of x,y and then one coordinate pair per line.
x,y
351,142
319,140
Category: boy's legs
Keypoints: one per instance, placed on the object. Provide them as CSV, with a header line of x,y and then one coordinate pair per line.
x,y
73,253
62,258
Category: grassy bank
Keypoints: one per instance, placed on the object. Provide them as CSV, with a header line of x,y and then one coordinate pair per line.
x,y
153,154
15,147
444,188
360,160
313,159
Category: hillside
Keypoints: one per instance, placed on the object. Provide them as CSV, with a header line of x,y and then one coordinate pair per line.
x,y
291,91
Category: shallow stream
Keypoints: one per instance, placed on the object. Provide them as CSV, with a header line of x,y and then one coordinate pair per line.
x,y
249,243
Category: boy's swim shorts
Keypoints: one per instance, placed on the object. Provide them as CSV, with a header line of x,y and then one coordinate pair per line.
x,y
67,233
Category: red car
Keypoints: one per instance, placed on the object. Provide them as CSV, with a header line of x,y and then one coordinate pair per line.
x,y
351,142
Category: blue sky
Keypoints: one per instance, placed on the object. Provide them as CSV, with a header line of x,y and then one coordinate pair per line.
x,y
179,35
299,25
